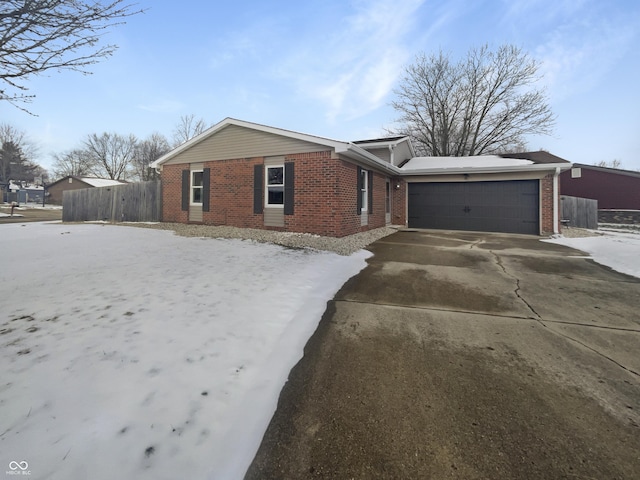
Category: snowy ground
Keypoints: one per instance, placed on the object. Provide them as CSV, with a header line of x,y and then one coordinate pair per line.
x,y
618,250
135,353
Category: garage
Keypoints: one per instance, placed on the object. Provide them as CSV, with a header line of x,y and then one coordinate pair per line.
x,y
511,206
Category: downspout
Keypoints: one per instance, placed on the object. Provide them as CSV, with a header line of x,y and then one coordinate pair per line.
x,y
391,147
556,201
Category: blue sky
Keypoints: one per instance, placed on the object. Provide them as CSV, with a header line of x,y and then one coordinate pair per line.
x,y
329,68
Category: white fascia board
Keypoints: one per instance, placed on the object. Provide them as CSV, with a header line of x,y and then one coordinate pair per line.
x,y
536,167
357,153
380,143
393,143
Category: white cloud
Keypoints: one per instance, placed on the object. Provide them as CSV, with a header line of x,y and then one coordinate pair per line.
x,y
577,41
577,56
353,70
543,11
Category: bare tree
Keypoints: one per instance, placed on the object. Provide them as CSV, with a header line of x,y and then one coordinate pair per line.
x,y
188,128
16,155
41,35
615,163
483,104
74,162
147,151
110,155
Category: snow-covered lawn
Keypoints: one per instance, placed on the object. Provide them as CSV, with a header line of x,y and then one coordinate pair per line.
x,y
620,251
135,353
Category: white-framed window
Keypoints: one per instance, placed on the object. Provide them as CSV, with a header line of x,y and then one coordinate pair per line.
x,y
196,187
274,186
576,173
364,189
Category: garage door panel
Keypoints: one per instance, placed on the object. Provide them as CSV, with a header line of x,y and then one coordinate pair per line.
x,y
507,206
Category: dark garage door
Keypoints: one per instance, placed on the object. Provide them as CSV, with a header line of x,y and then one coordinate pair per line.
x,y
509,206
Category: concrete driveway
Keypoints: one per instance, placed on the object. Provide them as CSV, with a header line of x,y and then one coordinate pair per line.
x,y
466,355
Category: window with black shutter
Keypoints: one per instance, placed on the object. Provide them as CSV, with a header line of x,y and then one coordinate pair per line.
x,y
288,188
257,188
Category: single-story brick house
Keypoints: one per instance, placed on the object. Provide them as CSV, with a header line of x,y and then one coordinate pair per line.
x,y
72,182
249,175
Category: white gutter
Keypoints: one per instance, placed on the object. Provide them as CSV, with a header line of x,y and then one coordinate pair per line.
x,y
357,153
535,167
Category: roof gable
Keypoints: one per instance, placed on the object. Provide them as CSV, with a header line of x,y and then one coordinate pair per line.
x,y
236,141
205,147
252,131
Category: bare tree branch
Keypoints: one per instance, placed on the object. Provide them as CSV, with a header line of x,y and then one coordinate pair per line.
x,y
147,151
41,35
110,155
188,128
16,155
483,104
74,162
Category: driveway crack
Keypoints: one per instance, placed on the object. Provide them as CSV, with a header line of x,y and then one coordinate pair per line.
x,y
594,350
517,289
539,319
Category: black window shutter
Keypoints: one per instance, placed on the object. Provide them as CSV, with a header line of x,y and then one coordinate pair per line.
x,y
288,188
370,189
206,183
186,179
257,188
359,195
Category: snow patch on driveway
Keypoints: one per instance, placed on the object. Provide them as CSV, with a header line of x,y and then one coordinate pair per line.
x,y
620,251
136,353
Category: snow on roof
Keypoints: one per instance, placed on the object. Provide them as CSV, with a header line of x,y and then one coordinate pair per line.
x,y
480,161
100,182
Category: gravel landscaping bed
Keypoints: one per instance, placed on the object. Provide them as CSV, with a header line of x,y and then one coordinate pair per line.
x,y
573,232
342,246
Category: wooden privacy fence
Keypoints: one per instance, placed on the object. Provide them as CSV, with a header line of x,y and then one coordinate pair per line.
x,y
579,212
134,202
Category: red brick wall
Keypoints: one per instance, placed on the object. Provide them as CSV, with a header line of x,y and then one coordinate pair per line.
x,y
231,194
317,205
546,211
172,194
325,196
399,205
377,210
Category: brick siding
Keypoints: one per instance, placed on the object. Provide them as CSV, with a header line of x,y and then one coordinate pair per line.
x,y
399,205
546,212
325,196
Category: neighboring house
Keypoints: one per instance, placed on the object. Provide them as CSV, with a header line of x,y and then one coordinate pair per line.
x,y
249,175
614,189
21,192
71,182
